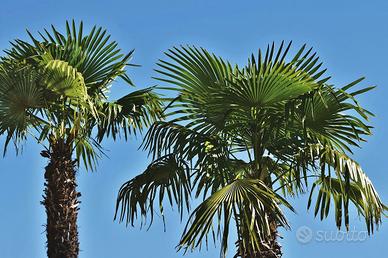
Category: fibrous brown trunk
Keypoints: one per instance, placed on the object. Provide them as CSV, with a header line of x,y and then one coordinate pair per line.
x,y
61,201
269,249
272,248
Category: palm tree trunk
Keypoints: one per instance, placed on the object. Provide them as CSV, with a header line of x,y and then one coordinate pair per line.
x,y
61,201
272,248
269,249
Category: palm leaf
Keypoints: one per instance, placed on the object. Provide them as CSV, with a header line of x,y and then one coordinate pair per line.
x,y
350,184
129,114
98,59
249,200
167,178
20,100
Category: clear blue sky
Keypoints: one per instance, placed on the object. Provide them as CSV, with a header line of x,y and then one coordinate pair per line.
x,y
350,36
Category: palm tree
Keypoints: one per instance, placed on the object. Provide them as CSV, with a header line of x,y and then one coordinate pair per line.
x,y
55,90
246,139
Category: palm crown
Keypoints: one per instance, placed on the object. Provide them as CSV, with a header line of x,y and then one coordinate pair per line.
x,y
246,139
57,86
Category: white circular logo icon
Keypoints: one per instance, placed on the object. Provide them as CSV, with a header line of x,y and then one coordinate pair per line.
x,y
304,235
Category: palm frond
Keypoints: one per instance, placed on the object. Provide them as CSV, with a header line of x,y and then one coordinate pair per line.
x,y
64,80
166,178
248,200
94,55
21,98
350,184
129,114
88,151
330,117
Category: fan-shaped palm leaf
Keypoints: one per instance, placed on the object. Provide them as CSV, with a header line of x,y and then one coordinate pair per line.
x,y
248,200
